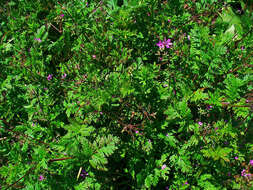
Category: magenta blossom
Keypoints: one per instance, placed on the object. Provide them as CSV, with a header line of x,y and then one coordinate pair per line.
x,y
94,56
62,15
236,158
64,76
251,162
41,178
164,166
200,123
49,77
37,39
160,44
167,43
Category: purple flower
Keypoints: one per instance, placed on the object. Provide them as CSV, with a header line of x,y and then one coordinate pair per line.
x,y
209,107
229,173
168,20
136,132
41,178
167,188
164,166
242,48
101,113
33,124
148,14
94,56
189,37
251,162
62,15
165,85
236,158
167,43
243,172
160,44
200,123
167,135
216,128
160,58
64,76
37,39
84,174
49,77
186,183
149,140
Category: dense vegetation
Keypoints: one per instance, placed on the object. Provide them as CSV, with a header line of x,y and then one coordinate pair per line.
x,y
130,94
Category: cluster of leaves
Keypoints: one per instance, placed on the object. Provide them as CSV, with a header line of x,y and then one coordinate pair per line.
x,y
89,101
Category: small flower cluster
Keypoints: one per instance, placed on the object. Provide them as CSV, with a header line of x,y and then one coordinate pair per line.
x,y
244,174
165,43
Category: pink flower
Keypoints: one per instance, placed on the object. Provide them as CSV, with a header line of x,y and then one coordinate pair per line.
x,y
49,77
136,132
41,178
64,76
243,172
37,39
148,14
188,37
62,15
94,56
251,162
236,158
200,123
167,43
168,20
160,44
164,166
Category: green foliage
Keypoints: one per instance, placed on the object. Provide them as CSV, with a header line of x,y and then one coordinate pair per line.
x,y
90,99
